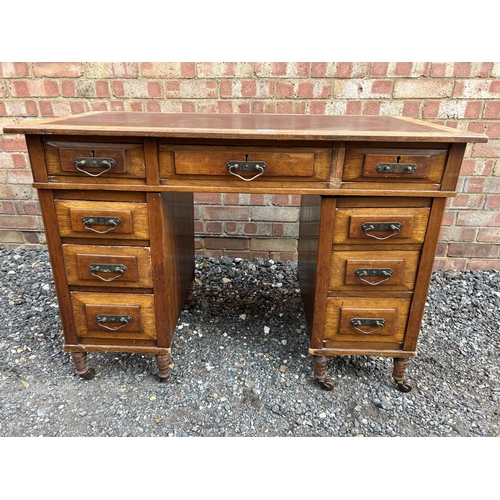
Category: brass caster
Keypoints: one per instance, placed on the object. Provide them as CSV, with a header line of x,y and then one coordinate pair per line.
x,y
88,375
326,384
404,386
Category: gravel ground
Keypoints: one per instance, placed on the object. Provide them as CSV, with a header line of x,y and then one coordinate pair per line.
x,y
241,366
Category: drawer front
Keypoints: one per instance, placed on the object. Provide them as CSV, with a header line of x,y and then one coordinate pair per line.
x,y
273,163
94,219
92,265
394,165
366,320
364,271
95,160
114,316
380,225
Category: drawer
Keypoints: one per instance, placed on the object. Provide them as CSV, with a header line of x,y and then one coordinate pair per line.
x,y
114,315
366,271
270,163
95,219
92,265
356,319
394,165
380,225
95,159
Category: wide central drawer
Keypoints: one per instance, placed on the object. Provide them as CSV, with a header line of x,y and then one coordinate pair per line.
x,y
269,163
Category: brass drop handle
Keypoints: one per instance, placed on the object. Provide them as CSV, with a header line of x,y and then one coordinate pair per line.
x,y
114,222
362,274
381,226
110,318
378,323
107,268
246,166
90,162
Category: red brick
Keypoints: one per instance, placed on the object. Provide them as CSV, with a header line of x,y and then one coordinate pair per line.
x,y
14,69
483,264
318,69
447,263
248,88
168,70
372,108
291,107
18,108
18,176
379,69
102,89
467,201
473,109
284,90
18,222
35,88
213,227
403,69
68,88
462,69
490,234
492,109
317,107
477,218
456,233
155,90
353,108
472,250
207,198
58,69
121,70
493,130
226,213
492,202
136,106
226,243
489,150
438,70
411,109
12,143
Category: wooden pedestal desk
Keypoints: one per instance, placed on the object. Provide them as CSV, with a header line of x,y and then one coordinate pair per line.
x,y
116,196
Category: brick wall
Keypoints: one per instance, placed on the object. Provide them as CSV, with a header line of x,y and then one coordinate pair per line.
x,y
462,95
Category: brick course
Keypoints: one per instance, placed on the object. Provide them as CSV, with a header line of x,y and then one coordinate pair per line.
x,y
465,95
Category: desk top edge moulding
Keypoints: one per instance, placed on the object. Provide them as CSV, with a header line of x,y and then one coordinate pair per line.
x,y
116,199
258,126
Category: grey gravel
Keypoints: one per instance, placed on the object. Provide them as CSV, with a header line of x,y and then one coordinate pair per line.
x,y
241,364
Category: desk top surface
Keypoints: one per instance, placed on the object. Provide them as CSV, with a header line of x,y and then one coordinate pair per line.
x,y
247,126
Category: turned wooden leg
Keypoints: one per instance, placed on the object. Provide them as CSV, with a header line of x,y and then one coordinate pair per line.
x,y
163,362
398,374
320,363
80,360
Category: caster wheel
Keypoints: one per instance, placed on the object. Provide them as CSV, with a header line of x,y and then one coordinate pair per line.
x,y
404,386
327,384
89,374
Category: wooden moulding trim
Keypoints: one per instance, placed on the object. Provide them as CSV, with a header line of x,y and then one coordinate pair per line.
x,y
362,352
116,348
186,188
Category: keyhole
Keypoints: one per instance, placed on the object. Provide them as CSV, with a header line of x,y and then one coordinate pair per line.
x,y
398,159
246,157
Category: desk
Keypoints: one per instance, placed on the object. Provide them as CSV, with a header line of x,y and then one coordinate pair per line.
x,y
116,197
